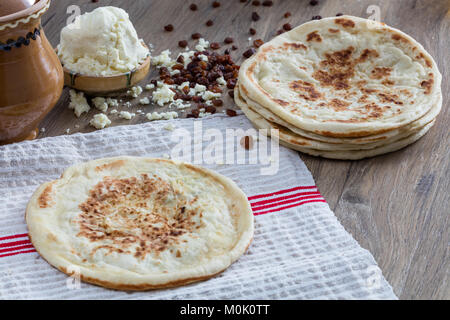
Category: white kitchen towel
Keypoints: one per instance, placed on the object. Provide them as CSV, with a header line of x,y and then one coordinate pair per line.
x,y
299,251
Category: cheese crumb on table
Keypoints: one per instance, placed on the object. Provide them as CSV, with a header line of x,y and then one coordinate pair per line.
x,y
163,95
144,101
78,103
126,115
100,103
161,116
100,121
135,92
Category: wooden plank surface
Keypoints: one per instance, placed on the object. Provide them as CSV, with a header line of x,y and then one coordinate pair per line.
x,y
397,205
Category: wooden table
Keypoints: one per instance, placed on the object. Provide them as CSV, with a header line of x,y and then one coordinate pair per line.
x,y
397,205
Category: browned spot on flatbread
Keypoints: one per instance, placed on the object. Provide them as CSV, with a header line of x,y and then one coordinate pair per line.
x,y
135,216
399,37
380,72
281,102
388,82
314,36
294,45
334,30
427,85
338,68
112,165
346,23
339,105
366,54
45,199
427,60
387,97
306,90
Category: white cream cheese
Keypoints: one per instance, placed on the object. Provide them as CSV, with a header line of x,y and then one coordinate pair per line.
x,y
103,42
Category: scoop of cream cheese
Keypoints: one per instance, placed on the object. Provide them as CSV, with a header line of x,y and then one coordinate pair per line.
x,y
101,43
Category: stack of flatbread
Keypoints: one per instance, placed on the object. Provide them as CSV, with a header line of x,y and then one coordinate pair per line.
x,y
341,88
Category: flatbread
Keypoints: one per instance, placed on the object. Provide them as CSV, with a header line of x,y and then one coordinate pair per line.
x,y
133,223
366,142
293,141
343,77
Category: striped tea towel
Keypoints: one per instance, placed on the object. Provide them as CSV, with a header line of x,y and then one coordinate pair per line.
x,y
299,251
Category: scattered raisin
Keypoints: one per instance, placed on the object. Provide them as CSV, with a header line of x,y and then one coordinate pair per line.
x,y
249,53
287,14
316,17
252,31
193,7
228,40
210,109
169,27
196,36
314,2
255,16
287,27
339,14
209,23
256,3
267,3
258,43
214,45
216,4
231,113
217,102
182,43
234,48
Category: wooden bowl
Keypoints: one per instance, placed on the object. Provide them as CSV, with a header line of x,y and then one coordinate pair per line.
x,y
107,84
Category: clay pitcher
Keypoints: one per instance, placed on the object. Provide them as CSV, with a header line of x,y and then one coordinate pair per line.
x,y
31,76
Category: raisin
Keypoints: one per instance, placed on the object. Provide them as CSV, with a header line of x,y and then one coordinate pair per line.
x,y
231,113
193,7
255,16
209,23
182,43
168,28
249,53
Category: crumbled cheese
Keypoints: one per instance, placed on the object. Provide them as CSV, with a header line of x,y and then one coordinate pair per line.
x,y
203,57
174,72
149,86
199,88
179,104
209,95
221,81
113,111
126,115
163,95
113,103
164,59
135,92
202,45
144,101
100,103
204,114
99,121
127,104
162,115
78,103
42,130
67,131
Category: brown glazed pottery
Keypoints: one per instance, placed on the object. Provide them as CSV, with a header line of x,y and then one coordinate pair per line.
x,y
31,76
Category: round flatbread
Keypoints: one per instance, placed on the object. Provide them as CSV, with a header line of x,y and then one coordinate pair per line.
x,y
343,77
314,148
133,223
366,142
